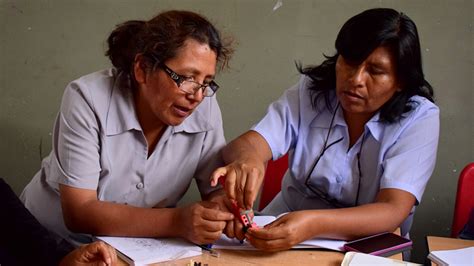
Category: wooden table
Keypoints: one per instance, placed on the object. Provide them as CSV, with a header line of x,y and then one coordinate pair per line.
x,y
446,243
294,257
289,257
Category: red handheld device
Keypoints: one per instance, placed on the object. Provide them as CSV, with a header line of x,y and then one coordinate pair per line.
x,y
243,215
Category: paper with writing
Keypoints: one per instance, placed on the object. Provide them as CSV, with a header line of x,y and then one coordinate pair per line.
x,y
143,251
227,243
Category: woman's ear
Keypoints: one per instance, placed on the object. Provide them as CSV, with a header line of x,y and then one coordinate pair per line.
x,y
139,69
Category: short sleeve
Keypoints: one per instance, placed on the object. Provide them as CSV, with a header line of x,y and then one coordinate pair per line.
x,y
409,163
279,127
76,140
214,141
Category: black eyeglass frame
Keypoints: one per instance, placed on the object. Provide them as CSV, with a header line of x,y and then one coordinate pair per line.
x,y
179,79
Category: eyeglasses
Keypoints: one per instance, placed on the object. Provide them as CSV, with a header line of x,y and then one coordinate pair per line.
x,y
188,85
324,195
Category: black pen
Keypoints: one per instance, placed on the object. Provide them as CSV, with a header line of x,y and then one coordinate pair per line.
x,y
209,249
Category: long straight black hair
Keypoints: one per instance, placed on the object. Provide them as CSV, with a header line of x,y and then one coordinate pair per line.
x,y
356,40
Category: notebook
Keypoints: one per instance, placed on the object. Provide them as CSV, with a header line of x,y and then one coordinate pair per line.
x,y
144,251
463,256
232,243
361,259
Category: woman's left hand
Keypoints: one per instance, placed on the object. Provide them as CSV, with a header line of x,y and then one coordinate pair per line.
x,y
285,232
234,228
96,253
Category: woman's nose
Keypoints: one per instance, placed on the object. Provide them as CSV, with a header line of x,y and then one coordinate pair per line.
x,y
357,75
197,96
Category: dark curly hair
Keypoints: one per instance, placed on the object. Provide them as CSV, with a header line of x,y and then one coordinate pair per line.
x,y
160,38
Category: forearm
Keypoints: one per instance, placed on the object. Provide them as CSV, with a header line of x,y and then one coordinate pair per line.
x,y
105,218
249,146
391,207
351,223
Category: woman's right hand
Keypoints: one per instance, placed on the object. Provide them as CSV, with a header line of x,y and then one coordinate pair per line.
x,y
242,181
202,222
246,156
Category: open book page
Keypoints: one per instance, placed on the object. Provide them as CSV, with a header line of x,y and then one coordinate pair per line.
x,y
463,256
227,243
143,251
331,244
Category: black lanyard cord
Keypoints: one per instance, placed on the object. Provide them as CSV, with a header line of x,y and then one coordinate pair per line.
x,y
359,168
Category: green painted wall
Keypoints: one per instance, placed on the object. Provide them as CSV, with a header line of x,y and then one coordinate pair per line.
x,y
46,44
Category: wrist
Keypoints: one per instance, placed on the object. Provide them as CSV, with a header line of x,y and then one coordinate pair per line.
x,y
312,223
176,223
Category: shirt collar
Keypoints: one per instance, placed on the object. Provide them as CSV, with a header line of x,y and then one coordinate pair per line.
x,y
323,116
121,115
198,121
375,126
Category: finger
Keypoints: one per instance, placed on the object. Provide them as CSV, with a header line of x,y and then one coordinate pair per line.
x,y
229,229
239,230
251,188
229,187
208,237
218,173
278,222
266,233
211,239
93,252
216,215
240,189
104,250
113,255
270,245
213,226
210,205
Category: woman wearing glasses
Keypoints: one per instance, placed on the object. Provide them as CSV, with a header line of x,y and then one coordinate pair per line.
x,y
128,140
361,130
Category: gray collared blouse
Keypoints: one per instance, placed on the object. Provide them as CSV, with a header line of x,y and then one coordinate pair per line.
x,y
98,144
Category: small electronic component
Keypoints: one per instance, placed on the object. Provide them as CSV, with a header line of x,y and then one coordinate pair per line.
x,y
244,215
246,219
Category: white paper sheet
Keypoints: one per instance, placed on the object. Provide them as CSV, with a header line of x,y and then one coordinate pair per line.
x,y
463,256
227,243
142,251
360,259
